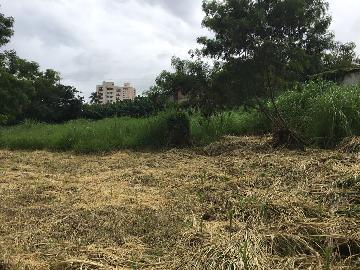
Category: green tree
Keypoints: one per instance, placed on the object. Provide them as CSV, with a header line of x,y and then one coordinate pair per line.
x,y
53,101
6,29
194,78
27,92
342,55
20,68
94,99
15,94
269,44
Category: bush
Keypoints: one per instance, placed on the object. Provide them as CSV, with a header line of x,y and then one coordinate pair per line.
x,y
3,119
178,129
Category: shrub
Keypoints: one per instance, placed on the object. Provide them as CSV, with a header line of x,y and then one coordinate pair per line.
x,y
177,129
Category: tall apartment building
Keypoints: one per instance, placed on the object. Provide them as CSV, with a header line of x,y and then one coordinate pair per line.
x,y
108,92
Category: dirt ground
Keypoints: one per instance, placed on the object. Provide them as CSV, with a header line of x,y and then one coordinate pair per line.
x,y
236,204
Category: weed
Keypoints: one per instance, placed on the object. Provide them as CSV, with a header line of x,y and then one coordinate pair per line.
x,y
328,257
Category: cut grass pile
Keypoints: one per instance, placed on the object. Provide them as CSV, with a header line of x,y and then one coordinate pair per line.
x,y
235,204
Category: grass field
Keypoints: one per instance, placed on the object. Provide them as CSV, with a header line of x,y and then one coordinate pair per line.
x,y
235,204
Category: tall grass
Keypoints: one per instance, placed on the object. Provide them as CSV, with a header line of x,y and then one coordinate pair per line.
x,y
323,112
239,122
86,136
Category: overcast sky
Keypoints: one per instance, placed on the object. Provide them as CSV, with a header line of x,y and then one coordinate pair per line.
x,y
89,41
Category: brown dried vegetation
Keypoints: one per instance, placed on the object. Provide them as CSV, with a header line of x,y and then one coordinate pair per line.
x,y
236,204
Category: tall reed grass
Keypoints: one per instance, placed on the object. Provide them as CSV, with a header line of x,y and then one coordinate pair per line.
x,y
237,122
323,112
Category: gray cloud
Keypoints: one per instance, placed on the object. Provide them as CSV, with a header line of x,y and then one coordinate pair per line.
x,y
89,41
184,9
346,20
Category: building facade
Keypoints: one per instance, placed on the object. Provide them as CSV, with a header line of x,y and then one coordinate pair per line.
x,y
178,96
352,78
342,76
108,92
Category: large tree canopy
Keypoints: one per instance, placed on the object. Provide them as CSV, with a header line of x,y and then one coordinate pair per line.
x,y
15,94
267,43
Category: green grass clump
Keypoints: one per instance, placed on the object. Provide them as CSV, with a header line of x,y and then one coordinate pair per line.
x,y
178,129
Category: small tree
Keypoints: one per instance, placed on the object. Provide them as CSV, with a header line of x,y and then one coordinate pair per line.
x,y
94,98
194,78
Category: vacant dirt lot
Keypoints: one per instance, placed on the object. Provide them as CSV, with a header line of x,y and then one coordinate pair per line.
x,y
237,204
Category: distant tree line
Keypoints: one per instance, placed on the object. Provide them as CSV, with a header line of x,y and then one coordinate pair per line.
x,y
139,107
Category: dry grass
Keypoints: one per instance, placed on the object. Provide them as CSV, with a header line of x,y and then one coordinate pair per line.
x,y
350,145
236,204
